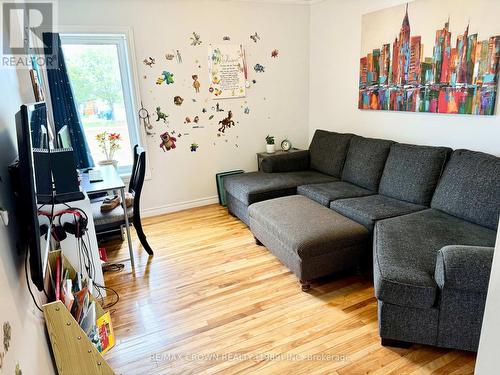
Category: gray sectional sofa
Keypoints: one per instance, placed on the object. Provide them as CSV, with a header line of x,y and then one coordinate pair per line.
x,y
431,213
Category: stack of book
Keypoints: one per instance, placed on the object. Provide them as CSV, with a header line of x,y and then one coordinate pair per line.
x,y
74,292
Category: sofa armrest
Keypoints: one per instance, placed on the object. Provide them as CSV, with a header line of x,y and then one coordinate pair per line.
x,y
465,268
290,162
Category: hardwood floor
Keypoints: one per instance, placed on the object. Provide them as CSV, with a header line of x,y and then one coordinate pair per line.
x,y
211,301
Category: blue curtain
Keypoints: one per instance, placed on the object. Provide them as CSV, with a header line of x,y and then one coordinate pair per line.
x,y
63,103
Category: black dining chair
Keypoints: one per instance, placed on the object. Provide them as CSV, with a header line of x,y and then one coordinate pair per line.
x,y
114,221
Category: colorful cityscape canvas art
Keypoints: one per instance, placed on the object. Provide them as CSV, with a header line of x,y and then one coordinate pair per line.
x,y
453,74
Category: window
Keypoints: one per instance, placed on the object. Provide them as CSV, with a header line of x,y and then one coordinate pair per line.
x,y
99,73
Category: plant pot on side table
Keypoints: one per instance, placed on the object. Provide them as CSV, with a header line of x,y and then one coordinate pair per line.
x,y
270,147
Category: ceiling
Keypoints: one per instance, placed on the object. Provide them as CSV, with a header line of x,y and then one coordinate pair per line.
x,y
284,2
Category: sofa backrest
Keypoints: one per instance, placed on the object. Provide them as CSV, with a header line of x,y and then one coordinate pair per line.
x,y
470,188
411,172
328,151
365,161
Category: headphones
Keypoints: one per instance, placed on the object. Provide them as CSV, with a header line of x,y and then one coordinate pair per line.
x,y
78,227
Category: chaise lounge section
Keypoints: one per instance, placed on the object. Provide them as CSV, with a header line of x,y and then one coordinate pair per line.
x,y
281,175
311,240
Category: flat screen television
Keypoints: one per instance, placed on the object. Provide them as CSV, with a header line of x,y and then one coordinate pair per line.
x,y
31,128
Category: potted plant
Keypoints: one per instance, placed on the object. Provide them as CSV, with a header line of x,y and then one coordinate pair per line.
x,y
109,143
270,148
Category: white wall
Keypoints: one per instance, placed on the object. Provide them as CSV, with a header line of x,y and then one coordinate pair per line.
x,y
29,345
278,102
334,74
487,356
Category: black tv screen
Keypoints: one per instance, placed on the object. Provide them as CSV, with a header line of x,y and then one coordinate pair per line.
x,y
31,128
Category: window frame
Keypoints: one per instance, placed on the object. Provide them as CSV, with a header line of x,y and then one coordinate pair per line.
x,y
120,40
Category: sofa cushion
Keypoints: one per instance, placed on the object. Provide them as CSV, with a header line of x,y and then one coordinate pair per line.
x,y
368,210
258,186
327,152
331,191
405,254
365,161
470,188
411,172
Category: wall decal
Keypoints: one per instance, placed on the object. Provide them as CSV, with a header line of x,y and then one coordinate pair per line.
x,y
274,53
210,117
196,119
167,142
215,91
226,38
255,37
2,355
226,71
178,56
18,369
169,56
195,39
196,83
149,61
226,122
259,68
194,147
246,110
166,77
7,332
161,115
187,120
178,100
454,74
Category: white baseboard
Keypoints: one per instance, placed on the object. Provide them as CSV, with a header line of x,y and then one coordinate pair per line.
x,y
155,211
